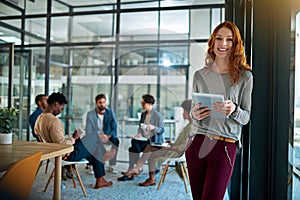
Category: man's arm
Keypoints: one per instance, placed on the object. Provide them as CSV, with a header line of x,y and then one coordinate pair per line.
x,y
110,131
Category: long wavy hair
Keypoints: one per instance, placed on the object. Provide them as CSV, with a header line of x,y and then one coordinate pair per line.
x,y
237,59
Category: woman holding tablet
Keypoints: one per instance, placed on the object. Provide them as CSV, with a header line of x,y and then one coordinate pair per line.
x,y
211,153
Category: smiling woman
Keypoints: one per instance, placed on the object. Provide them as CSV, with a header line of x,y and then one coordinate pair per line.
x,y
226,73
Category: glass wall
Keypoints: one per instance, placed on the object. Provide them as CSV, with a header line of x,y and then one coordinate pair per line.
x,y
85,48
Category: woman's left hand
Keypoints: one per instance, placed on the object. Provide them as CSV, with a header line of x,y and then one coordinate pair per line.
x,y
226,107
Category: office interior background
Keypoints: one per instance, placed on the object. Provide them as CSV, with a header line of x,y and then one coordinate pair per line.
x,y
126,48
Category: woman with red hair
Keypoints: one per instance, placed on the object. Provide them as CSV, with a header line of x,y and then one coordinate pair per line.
x,y
211,152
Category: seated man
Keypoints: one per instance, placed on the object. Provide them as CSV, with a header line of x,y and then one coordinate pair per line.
x,y
41,102
160,154
50,129
102,121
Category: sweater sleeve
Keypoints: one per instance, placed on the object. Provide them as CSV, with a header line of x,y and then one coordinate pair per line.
x,y
57,133
244,104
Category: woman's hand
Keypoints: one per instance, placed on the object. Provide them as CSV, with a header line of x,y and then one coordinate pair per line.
x,y
199,112
139,135
150,127
226,107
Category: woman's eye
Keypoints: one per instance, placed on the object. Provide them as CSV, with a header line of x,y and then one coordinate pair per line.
x,y
229,39
218,38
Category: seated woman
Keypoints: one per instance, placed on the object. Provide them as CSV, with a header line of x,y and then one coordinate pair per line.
x,y
151,126
160,154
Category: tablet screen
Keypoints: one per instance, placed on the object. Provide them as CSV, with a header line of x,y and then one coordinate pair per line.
x,y
207,99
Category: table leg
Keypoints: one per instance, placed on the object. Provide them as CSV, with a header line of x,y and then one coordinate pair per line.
x,y
57,178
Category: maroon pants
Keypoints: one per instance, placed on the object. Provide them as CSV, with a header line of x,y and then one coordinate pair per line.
x,y
210,164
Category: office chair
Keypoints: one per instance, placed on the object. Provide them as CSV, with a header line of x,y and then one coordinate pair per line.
x,y
17,182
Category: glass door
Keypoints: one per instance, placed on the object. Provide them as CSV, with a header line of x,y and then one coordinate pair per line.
x,y
14,81
6,69
21,97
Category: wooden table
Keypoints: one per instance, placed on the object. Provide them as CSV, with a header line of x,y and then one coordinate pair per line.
x,y
11,153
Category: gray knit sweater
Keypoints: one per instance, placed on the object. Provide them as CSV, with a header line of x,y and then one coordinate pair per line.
x,y
207,81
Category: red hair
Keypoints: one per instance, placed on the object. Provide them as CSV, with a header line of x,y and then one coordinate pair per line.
x,y
237,59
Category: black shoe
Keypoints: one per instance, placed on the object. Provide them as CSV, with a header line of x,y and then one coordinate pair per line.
x,y
126,178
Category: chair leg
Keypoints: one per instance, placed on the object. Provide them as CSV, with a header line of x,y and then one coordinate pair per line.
x,y
183,176
162,179
51,176
47,165
80,181
186,172
73,179
165,174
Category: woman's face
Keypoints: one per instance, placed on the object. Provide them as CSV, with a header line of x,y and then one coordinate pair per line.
x,y
145,105
223,43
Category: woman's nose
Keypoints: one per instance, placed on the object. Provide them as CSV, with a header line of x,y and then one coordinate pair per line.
x,y
224,42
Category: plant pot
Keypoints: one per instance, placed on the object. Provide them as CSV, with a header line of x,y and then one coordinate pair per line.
x,y
5,138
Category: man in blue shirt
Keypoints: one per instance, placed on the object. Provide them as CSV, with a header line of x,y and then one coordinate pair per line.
x,y
41,102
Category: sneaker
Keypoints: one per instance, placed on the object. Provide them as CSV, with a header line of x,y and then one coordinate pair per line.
x,y
90,170
112,170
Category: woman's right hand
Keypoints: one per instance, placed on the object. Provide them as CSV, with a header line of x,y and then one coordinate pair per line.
x,y
199,113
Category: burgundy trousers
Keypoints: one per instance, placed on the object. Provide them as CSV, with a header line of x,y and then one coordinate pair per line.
x,y
210,165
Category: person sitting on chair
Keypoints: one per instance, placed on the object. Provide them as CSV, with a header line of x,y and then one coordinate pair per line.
x,y
175,150
50,129
41,102
102,121
151,127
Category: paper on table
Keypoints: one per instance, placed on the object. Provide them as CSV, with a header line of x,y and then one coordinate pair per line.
x,y
207,99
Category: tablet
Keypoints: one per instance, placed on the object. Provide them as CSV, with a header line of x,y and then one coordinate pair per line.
x,y
207,99
164,144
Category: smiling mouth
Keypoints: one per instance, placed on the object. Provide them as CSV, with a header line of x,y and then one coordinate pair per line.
x,y
222,49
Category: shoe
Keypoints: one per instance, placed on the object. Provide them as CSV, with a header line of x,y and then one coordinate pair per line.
x,y
133,172
126,178
148,182
124,173
112,170
90,170
106,184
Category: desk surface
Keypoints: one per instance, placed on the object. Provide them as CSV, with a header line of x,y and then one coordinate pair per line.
x,y
11,153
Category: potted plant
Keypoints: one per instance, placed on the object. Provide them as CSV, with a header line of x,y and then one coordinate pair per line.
x,y
7,117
